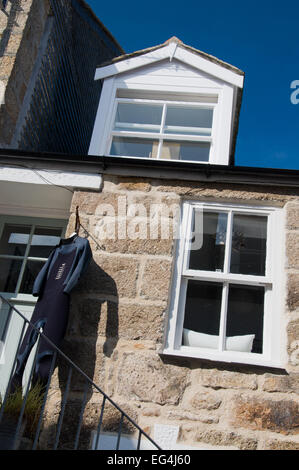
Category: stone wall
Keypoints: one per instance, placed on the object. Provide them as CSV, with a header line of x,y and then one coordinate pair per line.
x,y
49,50
19,43
118,320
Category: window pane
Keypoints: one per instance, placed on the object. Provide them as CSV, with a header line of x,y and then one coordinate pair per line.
x,y
210,257
134,147
9,274
202,314
31,271
189,117
245,316
138,114
249,245
193,151
14,239
43,241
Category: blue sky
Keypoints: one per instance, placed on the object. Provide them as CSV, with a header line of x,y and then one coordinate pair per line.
x,y
259,37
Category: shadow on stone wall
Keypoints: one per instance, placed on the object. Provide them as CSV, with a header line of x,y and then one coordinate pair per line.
x,y
11,22
91,339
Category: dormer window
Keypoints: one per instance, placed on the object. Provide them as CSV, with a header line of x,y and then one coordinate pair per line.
x,y
169,102
163,129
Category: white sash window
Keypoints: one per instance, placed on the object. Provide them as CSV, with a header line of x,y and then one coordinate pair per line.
x,y
163,129
227,286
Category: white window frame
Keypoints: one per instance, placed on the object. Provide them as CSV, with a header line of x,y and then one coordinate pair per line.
x,y
161,136
25,303
33,222
273,340
222,120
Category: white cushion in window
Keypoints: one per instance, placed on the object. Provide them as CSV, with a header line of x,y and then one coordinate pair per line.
x,y
200,340
240,343
233,343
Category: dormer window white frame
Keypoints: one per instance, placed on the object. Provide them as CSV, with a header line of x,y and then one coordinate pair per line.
x,y
163,129
166,104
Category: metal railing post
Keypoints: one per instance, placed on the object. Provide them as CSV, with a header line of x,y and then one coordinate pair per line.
x,y
88,382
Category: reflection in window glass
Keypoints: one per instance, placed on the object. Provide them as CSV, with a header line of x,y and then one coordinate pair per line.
x,y
138,114
245,318
202,313
132,147
248,254
192,151
14,240
25,241
43,242
178,116
210,257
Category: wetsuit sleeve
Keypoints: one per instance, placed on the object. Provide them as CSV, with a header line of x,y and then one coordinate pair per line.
x,y
40,280
81,267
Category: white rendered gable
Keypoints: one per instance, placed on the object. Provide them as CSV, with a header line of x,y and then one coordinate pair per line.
x,y
171,51
173,73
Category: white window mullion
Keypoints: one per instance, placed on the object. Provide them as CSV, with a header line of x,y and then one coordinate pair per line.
x,y
270,253
133,126
111,126
194,131
160,145
22,270
181,317
188,239
223,317
178,298
194,104
268,327
157,135
135,134
161,131
163,118
228,242
232,278
13,257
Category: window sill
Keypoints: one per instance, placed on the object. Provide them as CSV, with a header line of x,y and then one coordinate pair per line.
x,y
19,298
161,159
224,356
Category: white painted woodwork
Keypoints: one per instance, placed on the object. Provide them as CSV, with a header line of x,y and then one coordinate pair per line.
x,y
175,80
274,354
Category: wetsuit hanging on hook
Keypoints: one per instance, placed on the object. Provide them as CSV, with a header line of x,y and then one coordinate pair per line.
x,y
53,285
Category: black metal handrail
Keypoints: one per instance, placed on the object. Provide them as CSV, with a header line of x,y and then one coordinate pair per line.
x,y
137,434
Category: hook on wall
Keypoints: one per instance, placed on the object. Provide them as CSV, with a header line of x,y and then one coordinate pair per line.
x,y
77,224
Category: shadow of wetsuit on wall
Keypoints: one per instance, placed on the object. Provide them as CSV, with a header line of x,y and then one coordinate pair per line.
x,y
91,338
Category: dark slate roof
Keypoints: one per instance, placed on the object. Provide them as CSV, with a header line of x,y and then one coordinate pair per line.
x,y
102,26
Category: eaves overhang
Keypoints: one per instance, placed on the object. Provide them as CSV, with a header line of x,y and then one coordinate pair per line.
x,y
150,168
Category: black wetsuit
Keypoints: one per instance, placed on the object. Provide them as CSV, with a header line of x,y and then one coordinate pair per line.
x,y
65,265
